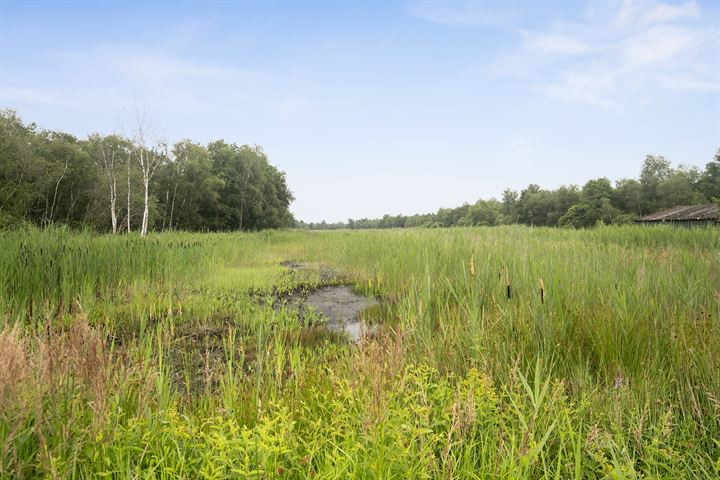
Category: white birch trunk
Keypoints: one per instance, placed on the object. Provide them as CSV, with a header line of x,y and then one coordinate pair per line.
x,y
172,206
146,210
128,197
113,199
149,156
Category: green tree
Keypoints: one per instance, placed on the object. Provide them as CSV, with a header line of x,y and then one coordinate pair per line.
x,y
680,187
483,213
19,166
627,196
254,194
509,206
655,169
111,156
709,183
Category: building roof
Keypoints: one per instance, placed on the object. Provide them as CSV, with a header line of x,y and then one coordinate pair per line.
x,y
684,212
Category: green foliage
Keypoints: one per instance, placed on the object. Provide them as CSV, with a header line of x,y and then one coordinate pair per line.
x,y
51,178
710,180
172,357
483,213
597,203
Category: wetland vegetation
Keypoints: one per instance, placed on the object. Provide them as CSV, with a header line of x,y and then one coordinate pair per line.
x,y
507,352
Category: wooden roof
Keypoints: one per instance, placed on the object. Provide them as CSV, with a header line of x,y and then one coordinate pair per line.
x,y
684,212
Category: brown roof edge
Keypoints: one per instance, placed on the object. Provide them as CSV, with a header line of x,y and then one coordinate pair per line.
x,y
685,212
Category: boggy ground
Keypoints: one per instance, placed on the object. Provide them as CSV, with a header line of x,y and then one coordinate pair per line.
x,y
315,297
174,356
338,306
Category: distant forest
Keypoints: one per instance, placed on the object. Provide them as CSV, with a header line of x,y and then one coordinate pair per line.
x,y
597,202
135,182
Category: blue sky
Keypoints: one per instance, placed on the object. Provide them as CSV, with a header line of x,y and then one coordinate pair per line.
x,y
383,107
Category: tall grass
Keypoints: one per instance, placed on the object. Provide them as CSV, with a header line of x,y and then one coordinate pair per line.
x,y
169,357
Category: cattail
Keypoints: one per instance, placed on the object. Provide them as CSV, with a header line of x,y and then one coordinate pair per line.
x,y
472,265
542,291
507,284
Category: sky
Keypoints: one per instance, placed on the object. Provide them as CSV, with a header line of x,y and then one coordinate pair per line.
x,y
390,107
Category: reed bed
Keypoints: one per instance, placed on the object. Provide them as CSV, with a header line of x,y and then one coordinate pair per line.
x,y
507,352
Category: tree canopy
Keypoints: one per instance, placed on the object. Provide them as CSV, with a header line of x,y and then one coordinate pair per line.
x,y
49,178
597,202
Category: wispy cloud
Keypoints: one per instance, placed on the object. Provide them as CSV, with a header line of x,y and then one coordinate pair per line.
x,y
617,53
63,97
163,81
454,13
147,65
631,14
114,77
612,54
558,43
660,46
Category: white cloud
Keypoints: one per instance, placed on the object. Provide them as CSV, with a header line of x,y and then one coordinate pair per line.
x,y
591,88
555,43
448,12
117,77
659,46
109,77
633,13
60,96
619,53
147,65
684,82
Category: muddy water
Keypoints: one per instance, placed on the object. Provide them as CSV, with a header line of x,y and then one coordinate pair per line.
x,y
341,307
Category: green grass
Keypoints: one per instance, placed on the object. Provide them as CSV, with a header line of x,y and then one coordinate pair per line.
x,y
167,357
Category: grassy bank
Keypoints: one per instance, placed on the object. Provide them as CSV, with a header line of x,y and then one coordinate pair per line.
x,y
502,352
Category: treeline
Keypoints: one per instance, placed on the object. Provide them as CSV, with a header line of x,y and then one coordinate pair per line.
x,y
135,182
598,201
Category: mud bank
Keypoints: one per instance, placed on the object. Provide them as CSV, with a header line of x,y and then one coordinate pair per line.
x,y
338,305
341,307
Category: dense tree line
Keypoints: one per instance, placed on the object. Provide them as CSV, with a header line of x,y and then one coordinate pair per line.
x,y
597,202
136,182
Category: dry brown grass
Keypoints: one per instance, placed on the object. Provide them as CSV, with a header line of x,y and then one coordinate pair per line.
x,y
14,365
77,354
35,366
379,361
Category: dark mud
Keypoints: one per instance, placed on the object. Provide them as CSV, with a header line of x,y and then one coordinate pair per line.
x,y
326,274
328,309
339,306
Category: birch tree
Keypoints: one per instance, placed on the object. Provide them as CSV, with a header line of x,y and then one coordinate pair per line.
x,y
50,177
149,152
127,214
49,214
176,172
109,153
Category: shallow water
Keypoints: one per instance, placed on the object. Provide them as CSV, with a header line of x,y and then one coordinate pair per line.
x,y
341,307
